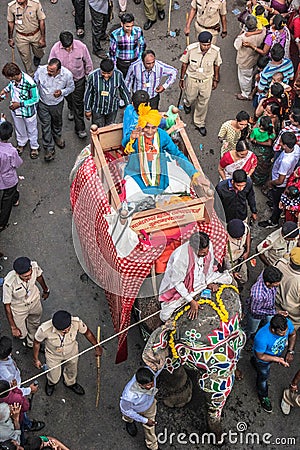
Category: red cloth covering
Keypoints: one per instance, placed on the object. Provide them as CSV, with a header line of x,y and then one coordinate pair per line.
x,y
121,278
16,396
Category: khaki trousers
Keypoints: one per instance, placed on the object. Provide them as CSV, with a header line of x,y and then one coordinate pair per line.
x,y
150,436
150,11
291,398
199,29
27,318
198,91
69,369
24,44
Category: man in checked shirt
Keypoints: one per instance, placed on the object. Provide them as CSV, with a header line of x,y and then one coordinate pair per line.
x,y
127,44
147,74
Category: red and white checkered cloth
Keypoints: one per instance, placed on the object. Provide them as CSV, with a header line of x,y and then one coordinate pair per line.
x,y
121,278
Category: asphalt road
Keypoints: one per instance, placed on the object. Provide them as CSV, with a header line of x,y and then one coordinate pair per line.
x,y
47,238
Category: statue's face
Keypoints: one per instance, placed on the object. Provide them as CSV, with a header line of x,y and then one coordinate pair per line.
x,y
149,130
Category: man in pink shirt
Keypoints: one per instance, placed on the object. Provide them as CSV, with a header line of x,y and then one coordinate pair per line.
x,y
74,55
9,162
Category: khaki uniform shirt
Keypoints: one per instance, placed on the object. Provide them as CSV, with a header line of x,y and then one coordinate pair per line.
x,y
208,11
201,66
237,247
18,292
27,19
56,343
281,247
288,292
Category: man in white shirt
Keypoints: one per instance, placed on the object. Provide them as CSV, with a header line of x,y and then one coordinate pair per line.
x,y
54,83
190,270
138,404
283,167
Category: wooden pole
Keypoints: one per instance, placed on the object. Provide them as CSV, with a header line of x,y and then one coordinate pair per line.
x,y
169,17
98,370
12,54
187,36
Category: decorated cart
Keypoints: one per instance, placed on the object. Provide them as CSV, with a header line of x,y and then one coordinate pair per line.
x,y
120,245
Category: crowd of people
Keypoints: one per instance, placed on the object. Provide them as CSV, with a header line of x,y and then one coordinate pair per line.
x,y
259,150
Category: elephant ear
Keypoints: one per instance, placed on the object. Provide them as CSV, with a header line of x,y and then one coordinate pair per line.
x,y
155,354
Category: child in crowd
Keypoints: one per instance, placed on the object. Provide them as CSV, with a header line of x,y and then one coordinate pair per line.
x,y
39,442
262,62
258,11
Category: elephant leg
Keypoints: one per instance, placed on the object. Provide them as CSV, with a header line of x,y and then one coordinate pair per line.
x,y
180,388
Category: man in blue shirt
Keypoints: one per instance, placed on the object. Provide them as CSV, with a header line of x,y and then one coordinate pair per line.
x,y
269,343
138,404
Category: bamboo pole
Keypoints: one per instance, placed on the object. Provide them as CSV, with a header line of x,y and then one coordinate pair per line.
x,y
169,17
187,36
98,370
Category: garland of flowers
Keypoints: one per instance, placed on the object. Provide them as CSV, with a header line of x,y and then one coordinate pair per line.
x,y
219,307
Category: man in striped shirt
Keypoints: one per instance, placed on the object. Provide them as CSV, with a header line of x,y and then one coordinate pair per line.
x,y
127,44
24,98
147,74
277,64
105,86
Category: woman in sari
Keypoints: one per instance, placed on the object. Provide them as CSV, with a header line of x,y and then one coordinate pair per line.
x,y
233,130
240,158
262,138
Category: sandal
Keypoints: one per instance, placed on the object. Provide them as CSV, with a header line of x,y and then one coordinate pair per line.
x,y
80,32
241,97
53,2
34,153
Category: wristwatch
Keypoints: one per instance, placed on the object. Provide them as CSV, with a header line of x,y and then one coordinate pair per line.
x,y
292,352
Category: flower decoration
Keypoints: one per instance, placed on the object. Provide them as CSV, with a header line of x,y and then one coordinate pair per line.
x,y
216,305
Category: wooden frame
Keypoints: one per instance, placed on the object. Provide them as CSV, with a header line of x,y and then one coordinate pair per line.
x,y
108,139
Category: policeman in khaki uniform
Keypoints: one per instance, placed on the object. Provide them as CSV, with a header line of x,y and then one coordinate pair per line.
x,y
22,299
208,14
28,18
200,73
278,245
59,335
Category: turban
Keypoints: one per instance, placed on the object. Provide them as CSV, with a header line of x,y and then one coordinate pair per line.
x,y
22,265
295,256
289,226
148,115
61,320
205,37
236,228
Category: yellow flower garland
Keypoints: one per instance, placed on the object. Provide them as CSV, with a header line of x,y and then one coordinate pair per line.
x,y
219,307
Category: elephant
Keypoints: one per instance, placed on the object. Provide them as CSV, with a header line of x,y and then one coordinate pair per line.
x,y
209,345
